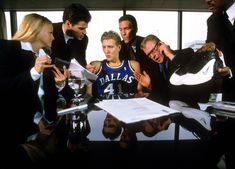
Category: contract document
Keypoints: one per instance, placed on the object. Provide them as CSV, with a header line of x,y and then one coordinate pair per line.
x,y
135,109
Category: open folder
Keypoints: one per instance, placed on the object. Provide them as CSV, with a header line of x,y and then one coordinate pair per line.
x,y
135,109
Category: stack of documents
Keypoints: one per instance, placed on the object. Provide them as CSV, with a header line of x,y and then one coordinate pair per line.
x,y
135,109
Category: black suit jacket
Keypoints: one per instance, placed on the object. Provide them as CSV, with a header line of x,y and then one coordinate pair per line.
x,y
20,93
191,94
223,35
162,90
76,49
159,88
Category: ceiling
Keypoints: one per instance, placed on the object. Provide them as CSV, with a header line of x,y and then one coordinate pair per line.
x,y
198,5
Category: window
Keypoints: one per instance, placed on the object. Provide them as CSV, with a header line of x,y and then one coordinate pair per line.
x,y
163,24
54,16
101,21
194,29
7,16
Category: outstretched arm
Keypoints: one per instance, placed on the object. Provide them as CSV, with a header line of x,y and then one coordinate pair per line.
x,y
143,79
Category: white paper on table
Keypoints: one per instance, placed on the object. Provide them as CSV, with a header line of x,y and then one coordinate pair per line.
x,y
79,71
135,109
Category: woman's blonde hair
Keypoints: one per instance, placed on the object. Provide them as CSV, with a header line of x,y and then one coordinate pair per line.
x,y
30,27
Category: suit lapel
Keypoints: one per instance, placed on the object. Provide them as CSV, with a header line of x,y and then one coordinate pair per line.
x,y
50,95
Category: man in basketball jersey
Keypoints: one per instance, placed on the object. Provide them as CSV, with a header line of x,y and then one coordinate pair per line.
x,y
115,76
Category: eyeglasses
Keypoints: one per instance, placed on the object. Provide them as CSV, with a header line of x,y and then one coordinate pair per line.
x,y
151,51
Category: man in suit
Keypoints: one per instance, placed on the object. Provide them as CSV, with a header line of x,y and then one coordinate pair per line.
x,y
131,47
71,39
165,61
221,31
70,35
130,40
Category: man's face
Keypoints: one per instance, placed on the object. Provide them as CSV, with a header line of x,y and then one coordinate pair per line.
x,y
214,5
125,29
110,124
210,4
79,29
111,49
151,49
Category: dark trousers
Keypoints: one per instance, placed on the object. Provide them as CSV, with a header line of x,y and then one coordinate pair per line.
x,y
223,143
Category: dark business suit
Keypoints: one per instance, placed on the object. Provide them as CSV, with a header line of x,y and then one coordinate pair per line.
x,y
19,94
133,51
74,49
162,90
220,32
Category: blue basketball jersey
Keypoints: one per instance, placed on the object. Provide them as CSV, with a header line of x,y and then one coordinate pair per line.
x,y
115,82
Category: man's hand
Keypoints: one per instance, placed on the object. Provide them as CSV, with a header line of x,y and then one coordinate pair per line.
x,y
165,50
91,68
143,79
225,71
207,47
60,77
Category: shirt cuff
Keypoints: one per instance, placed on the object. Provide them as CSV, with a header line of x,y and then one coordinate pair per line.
x,y
230,74
34,74
60,87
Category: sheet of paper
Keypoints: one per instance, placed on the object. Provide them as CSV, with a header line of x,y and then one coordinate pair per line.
x,y
134,110
78,70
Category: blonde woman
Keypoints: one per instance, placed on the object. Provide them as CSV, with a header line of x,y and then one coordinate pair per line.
x,y
29,83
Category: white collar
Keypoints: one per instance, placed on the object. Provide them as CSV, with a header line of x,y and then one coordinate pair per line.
x,y
66,37
231,13
28,46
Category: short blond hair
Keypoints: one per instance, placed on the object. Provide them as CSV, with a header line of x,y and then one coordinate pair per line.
x,y
111,35
150,37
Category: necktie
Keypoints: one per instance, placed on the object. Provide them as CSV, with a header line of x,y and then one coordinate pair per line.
x,y
69,42
68,48
164,72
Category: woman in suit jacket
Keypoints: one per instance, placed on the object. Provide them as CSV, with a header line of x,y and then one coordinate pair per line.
x,y
29,84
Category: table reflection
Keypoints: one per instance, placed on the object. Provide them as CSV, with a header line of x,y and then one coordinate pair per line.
x,y
99,132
